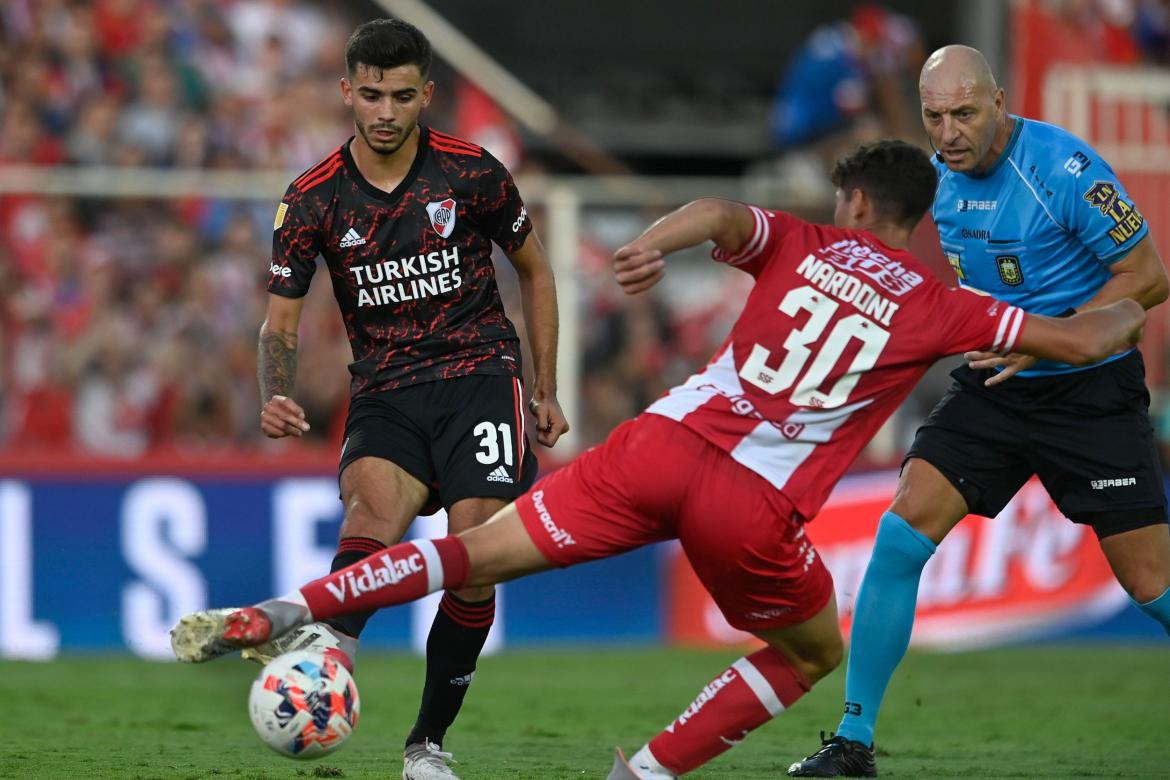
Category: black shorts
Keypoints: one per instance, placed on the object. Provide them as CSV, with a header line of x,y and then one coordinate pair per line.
x,y
1086,435
464,437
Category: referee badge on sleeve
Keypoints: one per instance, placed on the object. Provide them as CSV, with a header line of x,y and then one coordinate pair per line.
x,y
1009,270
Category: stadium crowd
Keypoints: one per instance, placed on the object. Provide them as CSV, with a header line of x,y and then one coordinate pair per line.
x,y
130,324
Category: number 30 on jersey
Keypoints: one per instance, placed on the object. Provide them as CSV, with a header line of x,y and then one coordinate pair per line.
x,y
810,343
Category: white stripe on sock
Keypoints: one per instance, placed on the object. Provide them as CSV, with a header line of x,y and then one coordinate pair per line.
x,y
760,686
430,554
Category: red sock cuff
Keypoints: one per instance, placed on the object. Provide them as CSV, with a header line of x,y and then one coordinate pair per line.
x,y
456,565
469,614
361,544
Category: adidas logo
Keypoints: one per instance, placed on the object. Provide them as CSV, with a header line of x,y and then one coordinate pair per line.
x,y
499,475
351,238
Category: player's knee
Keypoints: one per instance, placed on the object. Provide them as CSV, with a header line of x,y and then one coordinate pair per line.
x,y
361,519
927,501
925,516
470,513
816,660
825,661
1145,585
831,655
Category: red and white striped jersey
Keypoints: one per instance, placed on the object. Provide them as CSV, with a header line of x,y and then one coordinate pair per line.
x,y
835,334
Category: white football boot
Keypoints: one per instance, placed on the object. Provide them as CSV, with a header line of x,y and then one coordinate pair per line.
x,y
425,761
316,637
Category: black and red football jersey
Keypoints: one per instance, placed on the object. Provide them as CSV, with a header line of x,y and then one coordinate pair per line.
x,y
411,269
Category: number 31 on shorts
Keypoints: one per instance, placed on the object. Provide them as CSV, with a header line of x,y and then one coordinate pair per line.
x,y
495,440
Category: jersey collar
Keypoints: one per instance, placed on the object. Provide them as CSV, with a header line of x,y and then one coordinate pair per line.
x,y
380,194
1004,155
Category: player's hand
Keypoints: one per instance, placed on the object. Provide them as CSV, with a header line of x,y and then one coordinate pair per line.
x,y
637,269
282,416
550,420
1012,364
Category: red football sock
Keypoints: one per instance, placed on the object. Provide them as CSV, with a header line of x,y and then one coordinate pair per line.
x,y
392,576
747,695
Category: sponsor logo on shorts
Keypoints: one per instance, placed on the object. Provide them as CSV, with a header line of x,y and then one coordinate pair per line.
x,y
559,536
1101,484
369,578
463,681
807,551
766,614
499,475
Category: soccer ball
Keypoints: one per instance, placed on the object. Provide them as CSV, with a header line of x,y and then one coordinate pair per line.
x,y
304,704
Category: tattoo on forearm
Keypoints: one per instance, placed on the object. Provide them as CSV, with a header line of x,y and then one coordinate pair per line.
x,y
276,366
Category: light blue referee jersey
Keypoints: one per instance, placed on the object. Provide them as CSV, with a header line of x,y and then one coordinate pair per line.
x,y
1041,228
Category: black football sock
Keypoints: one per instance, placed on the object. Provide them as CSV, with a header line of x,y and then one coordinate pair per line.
x,y
350,551
453,646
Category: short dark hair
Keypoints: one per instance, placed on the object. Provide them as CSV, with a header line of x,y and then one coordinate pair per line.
x,y
388,43
896,176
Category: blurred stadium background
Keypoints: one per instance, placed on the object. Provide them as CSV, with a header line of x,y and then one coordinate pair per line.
x,y
144,145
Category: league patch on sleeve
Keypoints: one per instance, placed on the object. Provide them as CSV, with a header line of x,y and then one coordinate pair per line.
x,y
1127,220
281,210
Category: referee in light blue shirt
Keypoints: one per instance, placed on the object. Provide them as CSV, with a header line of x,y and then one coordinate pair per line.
x,y
1031,214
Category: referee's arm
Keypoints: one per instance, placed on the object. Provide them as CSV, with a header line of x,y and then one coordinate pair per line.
x,y
1139,276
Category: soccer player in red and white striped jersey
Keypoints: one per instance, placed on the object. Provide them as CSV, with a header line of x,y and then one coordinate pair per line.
x,y
841,323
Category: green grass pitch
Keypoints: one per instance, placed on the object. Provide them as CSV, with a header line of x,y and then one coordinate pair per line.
x,y
1059,712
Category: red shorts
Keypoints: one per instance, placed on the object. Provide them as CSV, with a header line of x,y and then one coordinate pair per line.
x,y
655,479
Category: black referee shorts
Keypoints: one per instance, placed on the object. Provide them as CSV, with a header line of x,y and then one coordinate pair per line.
x,y
464,437
1086,435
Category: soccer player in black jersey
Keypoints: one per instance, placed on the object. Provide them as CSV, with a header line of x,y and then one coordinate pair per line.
x,y
405,217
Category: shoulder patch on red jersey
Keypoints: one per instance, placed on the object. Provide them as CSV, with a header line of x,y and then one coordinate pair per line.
x,y
319,173
449,143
